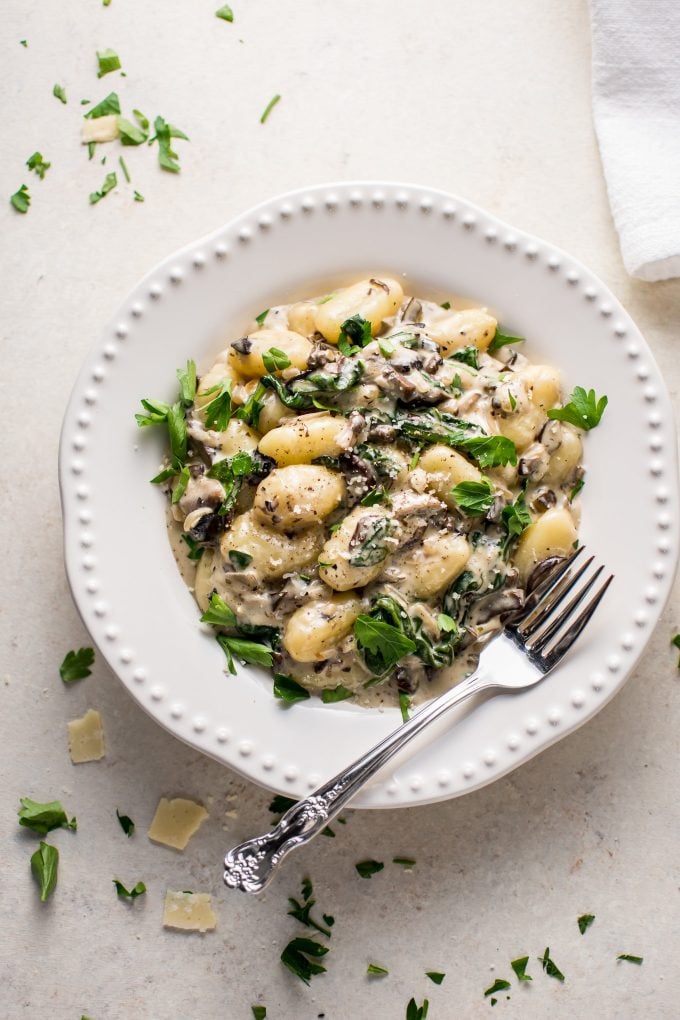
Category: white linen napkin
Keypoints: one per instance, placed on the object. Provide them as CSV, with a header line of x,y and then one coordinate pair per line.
x,y
636,106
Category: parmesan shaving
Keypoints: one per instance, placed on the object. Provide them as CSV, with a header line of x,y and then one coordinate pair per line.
x,y
176,821
86,738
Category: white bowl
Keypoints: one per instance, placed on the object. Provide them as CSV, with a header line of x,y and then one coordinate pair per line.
x,y
119,563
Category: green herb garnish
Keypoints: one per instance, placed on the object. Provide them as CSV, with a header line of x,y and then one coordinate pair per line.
x,y
503,339
576,489
355,333
110,104
405,862
269,107
415,1012
42,818
45,865
373,547
366,869
259,1012
404,705
675,641
584,409
129,894
21,199
374,970
474,498
195,549
302,911
180,486
60,92
467,356
123,166
218,411
274,360
37,163
138,197
445,305
549,966
129,133
330,695
375,496
110,182
499,985
240,559
289,690
76,665
126,823
219,614
247,651
629,958
516,519
300,955
187,383
24,43
519,966
584,922
165,132
386,348
107,61
384,643
225,13
436,976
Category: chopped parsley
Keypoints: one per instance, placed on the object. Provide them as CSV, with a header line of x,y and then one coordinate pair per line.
x,y
218,411
129,133
503,339
300,956
382,644
446,305
404,705
247,651
269,107
302,911
110,182
126,823
42,818
24,43
366,869
467,356
373,970
274,360
76,665
519,966
60,92
675,641
516,519
415,1012
289,690
219,614
21,199
279,804
259,319
435,975
576,489
629,958
107,60
374,547
110,104
187,383
259,1012
379,495
330,695
386,348
405,862
37,163
584,922
549,965
225,13
240,559
474,498
447,623
165,132
44,866
129,894
138,197
355,333
584,409
499,985
195,549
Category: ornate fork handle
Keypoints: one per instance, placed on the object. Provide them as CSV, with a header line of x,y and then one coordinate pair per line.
x,y
250,865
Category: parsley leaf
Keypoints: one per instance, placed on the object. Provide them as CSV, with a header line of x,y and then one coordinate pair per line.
x,y
24,43
385,642
330,695
499,985
435,975
516,519
108,60
247,651
415,1012
576,489
110,104
474,498
404,705
219,614
584,410
503,339
110,182
60,92
45,865
187,383
288,689
180,486
629,958
259,1012
405,862
225,13
37,163
519,966
138,197
218,411
302,911
490,451
374,969
584,922
675,641
366,869
269,107
467,356
126,823
177,432
354,331
240,559
379,495
165,132
299,957
549,966
195,549
279,804
42,818
129,133
76,665
21,199
446,623
130,894
445,305
373,547
124,168
274,360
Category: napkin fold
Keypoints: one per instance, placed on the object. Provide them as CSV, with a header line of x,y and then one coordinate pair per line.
x,y
636,107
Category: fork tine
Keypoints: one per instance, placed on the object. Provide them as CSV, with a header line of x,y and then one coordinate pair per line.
x,y
572,632
549,582
538,643
546,606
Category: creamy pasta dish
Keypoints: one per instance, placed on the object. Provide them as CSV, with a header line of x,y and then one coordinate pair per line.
x,y
364,484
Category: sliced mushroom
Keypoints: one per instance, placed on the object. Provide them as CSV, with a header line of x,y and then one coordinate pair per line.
x,y
507,600
541,572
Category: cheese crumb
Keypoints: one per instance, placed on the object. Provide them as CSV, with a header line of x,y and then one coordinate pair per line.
x,y
101,129
176,821
86,738
189,911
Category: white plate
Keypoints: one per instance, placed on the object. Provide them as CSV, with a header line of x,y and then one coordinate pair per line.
x,y
122,572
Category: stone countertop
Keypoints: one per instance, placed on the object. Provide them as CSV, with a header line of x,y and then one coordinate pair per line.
x,y
490,101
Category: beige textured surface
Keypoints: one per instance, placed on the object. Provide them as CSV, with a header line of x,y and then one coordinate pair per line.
x,y
488,99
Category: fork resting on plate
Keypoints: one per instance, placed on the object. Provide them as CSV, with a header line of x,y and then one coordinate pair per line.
x,y
534,640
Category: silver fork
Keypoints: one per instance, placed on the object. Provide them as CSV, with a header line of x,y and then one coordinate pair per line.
x,y
533,642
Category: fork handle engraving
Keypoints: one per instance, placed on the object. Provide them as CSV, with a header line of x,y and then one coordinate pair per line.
x,y
250,865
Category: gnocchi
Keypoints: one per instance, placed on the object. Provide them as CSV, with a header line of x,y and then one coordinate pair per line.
x,y
373,467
